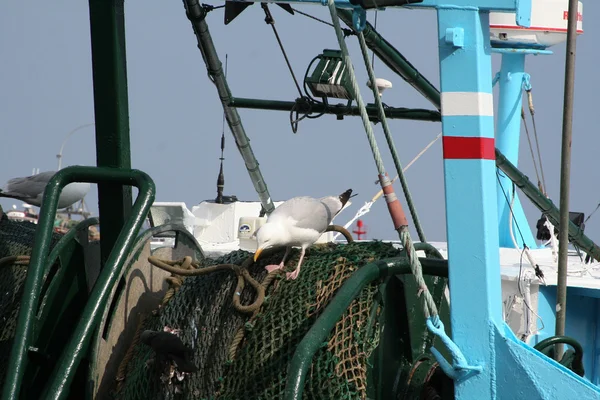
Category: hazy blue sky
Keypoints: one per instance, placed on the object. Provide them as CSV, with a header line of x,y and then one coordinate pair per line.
x,y
175,113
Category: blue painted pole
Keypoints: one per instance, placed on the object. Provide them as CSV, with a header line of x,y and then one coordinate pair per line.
x,y
507,141
470,186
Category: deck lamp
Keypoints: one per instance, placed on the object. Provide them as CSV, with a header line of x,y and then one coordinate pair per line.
x,y
330,76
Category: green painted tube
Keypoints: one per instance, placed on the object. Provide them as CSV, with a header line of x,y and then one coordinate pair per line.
x,y
323,326
43,312
546,205
58,385
395,60
429,249
109,73
339,109
75,350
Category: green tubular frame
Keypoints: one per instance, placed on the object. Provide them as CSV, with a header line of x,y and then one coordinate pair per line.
x,y
322,327
340,110
54,287
70,235
63,295
429,249
572,359
75,350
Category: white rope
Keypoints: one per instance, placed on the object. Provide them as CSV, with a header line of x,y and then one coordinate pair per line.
x,y
429,306
367,207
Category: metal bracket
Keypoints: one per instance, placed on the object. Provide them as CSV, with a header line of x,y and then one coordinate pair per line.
x,y
359,19
460,368
496,79
526,82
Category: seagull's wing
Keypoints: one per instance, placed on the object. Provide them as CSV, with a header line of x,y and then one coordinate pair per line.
x,y
303,212
28,187
333,203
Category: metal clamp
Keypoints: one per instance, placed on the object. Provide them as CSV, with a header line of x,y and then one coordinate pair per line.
x,y
460,368
496,79
359,18
527,82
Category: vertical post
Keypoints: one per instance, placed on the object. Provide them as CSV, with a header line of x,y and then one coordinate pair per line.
x,y
507,141
470,186
565,175
107,31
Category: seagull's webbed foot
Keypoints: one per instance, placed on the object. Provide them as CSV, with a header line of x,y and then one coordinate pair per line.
x,y
274,267
294,274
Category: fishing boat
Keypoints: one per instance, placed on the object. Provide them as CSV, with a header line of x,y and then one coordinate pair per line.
x,y
487,314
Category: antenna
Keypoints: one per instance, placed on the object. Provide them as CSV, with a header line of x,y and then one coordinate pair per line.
x,y
221,177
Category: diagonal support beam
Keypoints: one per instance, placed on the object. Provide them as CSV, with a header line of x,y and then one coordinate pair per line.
x,y
395,61
196,15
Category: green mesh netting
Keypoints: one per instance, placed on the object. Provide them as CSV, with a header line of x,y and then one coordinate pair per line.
x,y
203,310
16,239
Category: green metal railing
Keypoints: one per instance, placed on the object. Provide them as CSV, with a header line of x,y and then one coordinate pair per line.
x,y
545,205
54,287
323,326
62,376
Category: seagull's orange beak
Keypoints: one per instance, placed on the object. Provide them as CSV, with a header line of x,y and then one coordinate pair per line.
x,y
257,254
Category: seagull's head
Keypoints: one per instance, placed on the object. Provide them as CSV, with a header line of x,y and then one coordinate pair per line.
x,y
268,236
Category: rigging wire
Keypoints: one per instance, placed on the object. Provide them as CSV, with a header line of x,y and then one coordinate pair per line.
x,y
347,32
367,207
510,206
373,52
270,21
538,271
537,142
303,107
209,8
537,174
592,213
312,17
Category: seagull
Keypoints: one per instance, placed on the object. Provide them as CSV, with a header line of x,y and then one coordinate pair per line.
x,y
30,189
299,222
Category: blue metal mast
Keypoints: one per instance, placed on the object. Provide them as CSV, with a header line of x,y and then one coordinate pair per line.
x,y
470,186
512,79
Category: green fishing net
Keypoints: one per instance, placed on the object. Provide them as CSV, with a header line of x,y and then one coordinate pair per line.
x,y
16,239
202,309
